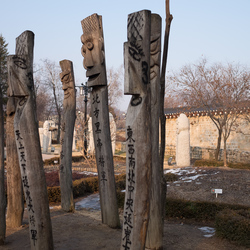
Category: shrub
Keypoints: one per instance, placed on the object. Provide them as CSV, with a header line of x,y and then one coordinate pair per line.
x,y
213,163
239,165
120,181
120,199
51,161
54,194
234,225
85,185
77,158
81,187
170,177
208,163
198,210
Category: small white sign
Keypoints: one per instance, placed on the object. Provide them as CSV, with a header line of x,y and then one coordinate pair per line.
x,y
216,191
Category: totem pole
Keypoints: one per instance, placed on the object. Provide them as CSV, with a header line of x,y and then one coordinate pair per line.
x,y
14,184
94,63
138,131
67,131
21,86
155,227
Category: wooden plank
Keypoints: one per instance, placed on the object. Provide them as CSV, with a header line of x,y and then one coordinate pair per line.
x,y
20,70
67,132
138,131
94,63
155,227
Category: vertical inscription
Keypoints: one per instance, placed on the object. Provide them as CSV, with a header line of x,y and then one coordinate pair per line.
x,y
130,182
98,131
26,187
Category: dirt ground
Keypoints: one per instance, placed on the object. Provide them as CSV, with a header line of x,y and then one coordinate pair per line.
x,y
84,230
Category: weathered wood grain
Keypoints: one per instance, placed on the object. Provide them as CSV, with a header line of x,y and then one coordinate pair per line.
x,y
94,63
67,131
21,86
138,131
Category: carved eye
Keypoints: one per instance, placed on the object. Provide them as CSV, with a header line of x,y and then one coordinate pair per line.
x,y
20,62
155,46
90,45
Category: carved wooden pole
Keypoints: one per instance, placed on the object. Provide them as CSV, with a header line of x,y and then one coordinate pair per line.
x,y
21,86
94,63
155,227
67,131
138,126
2,191
14,184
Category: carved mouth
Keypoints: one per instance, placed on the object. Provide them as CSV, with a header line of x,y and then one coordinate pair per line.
x,y
93,77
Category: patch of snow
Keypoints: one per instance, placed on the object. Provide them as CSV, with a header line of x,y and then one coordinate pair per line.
x,y
194,177
91,203
88,173
209,231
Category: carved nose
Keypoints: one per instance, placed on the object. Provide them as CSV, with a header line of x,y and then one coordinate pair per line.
x,y
88,60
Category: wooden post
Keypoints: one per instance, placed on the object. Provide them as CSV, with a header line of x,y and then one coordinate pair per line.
x,y
155,227
67,131
21,86
138,131
14,184
2,191
94,63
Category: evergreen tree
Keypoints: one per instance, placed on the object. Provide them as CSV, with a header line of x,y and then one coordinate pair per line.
x,y
3,90
3,68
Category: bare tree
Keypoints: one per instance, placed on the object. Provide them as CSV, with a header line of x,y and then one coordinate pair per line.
x,y
114,87
50,79
43,98
219,89
162,117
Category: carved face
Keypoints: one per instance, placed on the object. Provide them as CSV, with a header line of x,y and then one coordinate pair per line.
x,y
67,82
93,50
155,46
19,78
155,54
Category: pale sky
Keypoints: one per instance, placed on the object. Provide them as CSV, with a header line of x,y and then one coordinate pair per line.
x,y
216,29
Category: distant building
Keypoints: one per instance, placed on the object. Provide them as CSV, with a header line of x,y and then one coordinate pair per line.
x,y
204,134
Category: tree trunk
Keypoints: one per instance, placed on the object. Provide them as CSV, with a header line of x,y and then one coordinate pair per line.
x,y
68,123
169,18
217,151
138,137
155,226
2,189
20,70
225,153
59,127
162,116
14,183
